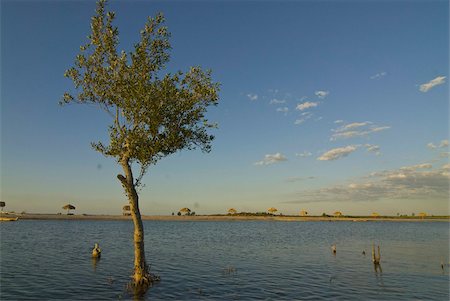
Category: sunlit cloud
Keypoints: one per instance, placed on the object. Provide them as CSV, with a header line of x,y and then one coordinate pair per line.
x,y
337,153
322,94
275,101
442,144
338,121
306,105
410,182
271,159
431,145
432,83
356,129
378,75
418,166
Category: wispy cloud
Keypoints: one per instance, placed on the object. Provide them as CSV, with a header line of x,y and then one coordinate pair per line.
x,y
304,154
271,159
337,153
252,97
306,105
275,101
378,75
373,149
322,94
304,116
284,110
356,129
442,144
432,83
298,179
411,182
338,121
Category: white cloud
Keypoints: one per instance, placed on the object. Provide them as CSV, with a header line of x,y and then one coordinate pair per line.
x,y
444,143
339,121
418,166
306,105
252,96
337,153
305,116
432,83
284,110
321,94
271,159
373,148
275,101
356,129
407,183
378,75
431,145
303,154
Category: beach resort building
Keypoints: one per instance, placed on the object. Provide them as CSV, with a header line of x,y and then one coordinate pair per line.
x,y
337,214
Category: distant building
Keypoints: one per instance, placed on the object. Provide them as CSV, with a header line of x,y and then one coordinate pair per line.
x,y
303,213
375,214
337,214
422,214
232,211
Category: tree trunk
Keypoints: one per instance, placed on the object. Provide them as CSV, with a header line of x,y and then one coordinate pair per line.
x,y
141,277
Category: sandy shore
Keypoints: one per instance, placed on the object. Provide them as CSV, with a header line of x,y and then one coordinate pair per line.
x,y
31,216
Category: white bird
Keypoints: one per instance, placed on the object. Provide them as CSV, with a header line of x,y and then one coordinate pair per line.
x,y
96,251
333,249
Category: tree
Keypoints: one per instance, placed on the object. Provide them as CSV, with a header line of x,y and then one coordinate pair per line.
x,y
152,115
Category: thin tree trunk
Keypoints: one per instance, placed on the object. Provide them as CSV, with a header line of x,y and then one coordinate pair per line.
x,y
141,273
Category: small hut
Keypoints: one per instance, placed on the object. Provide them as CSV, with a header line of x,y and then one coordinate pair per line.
x,y
422,214
185,210
272,210
375,214
303,213
337,214
232,211
68,207
126,210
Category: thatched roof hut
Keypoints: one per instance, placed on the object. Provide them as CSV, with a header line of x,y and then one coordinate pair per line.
x,y
185,210
375,214
68,207
303,213
232,211
272,210
337,213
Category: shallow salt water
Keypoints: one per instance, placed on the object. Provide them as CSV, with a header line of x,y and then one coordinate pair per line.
x,y
44,260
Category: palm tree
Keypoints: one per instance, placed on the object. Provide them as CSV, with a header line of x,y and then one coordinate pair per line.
x,y
68,207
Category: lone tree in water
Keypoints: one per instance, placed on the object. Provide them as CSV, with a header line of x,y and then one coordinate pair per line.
x,y
153,115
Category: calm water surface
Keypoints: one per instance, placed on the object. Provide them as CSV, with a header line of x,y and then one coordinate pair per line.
x,y
43,260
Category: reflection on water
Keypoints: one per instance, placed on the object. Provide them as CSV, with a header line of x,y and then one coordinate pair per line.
x,y
226,260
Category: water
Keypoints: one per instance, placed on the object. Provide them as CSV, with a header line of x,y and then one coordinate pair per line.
x,y
43,260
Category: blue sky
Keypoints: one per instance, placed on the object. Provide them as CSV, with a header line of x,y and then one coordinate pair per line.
x,y
324,106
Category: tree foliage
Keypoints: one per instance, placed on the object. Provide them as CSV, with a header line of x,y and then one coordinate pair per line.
x,y
153,115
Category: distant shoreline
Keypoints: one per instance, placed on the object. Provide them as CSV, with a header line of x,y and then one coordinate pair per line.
x,y
278,218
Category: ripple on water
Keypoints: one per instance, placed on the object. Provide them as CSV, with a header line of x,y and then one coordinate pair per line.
x,y
225,260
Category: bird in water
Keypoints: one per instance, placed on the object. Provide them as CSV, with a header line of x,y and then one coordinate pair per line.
x,y
333,249
364,252
96,251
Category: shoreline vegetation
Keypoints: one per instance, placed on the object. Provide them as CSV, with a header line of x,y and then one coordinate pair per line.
x,y
229,217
